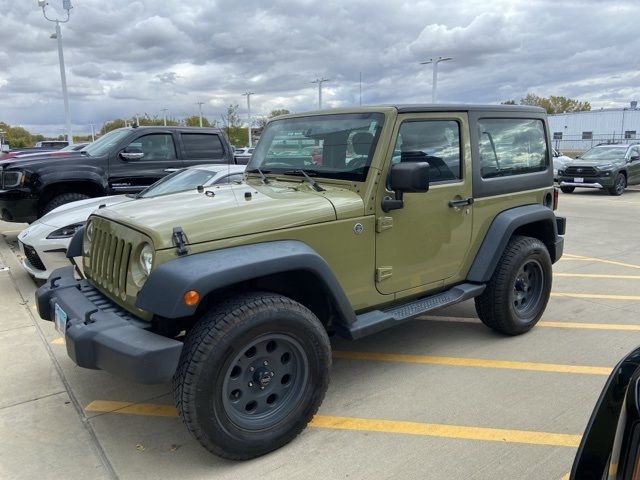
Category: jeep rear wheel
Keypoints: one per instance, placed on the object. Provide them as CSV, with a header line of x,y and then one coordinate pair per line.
x,y
619,185
567,189
252,374
63,199
519,289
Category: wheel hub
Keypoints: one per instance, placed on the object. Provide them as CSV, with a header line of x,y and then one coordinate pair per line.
x,y
262,377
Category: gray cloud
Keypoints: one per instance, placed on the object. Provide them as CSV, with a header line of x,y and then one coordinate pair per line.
x,y
127,57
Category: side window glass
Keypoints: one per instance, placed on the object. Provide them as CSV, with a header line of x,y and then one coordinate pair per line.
x,y
200,145
156,146
436,142
511,147
234,178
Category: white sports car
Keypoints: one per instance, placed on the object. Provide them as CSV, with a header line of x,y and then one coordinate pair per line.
x,y
44,243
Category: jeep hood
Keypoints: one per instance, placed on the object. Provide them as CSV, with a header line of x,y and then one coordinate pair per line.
x,y
233,211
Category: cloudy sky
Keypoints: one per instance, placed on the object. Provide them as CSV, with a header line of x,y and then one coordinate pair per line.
x,y
125,56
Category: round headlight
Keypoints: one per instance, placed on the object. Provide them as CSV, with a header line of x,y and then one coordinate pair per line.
x,y
146,259
89,231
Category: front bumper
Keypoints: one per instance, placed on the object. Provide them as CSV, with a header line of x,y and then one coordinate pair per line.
x,y
17,206
102,335
601,182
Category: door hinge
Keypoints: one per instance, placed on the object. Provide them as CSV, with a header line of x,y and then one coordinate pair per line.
x,y
382,273
384,223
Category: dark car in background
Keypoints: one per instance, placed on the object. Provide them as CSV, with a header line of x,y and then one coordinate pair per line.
x,y
608,167
125,160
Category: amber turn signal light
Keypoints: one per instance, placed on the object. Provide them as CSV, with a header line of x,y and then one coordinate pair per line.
x,y
191,298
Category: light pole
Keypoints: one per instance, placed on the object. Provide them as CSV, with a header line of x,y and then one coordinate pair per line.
x,y
200,109
164,111
248,94
93,132
66,5
320,81
435,61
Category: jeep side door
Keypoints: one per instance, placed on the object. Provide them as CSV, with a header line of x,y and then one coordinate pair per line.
x,y
425,242
159,158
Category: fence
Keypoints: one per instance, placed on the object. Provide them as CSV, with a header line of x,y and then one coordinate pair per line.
x,y
577,143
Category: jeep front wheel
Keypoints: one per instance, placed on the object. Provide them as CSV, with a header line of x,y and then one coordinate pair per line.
x,y
519,289
252,374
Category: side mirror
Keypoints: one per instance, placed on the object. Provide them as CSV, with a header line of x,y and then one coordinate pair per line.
x,y
634,158
407,177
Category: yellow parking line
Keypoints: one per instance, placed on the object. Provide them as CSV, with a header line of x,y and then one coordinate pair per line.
x,y
545,323
373,425
596,296
600,260
594,275
58,341
472,362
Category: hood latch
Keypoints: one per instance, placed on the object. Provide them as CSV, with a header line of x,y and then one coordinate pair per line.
x,y
180,240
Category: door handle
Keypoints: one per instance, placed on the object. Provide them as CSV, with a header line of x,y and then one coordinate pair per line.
x,y
171,170
461,203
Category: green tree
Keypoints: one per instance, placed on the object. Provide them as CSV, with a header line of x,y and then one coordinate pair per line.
x,y
508,102
232,126
16,137
262,121
555,104
112,125
194,121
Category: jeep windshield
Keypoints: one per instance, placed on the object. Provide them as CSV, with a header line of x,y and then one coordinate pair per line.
x,y
337,146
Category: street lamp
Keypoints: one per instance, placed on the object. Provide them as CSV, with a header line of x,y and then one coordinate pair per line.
x,y
200,109
66,5
164,111
435,62
320,81
248,94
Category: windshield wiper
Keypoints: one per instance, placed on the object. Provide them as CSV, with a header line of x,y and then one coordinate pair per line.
x,y
308,179
264,178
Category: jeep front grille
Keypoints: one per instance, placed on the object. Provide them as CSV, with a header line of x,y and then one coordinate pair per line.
x,y
110,257
581,171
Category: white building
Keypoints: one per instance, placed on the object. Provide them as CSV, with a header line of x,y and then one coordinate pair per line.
x,y
582,130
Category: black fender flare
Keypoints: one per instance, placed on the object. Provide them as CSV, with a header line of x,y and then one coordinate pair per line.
x,y
162,293
78,173
501,230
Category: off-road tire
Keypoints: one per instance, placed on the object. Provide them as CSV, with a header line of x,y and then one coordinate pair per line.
x,y
498,306
619,185
567,189
221,340
62,199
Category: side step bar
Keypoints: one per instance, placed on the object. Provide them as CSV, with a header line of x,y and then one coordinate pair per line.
x,y
378,320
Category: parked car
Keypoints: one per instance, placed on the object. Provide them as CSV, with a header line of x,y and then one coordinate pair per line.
x,y
232,296
126,160
559,161
75,148
608,167
44,243
52,144
243,155
610,446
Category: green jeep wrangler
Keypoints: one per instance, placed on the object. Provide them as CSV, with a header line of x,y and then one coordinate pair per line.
x,y
232,292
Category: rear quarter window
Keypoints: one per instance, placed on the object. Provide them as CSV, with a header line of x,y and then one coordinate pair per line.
x,y
511,146
200,145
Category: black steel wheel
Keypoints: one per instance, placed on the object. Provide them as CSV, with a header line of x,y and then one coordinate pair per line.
x,y
619,185
252,374
519,289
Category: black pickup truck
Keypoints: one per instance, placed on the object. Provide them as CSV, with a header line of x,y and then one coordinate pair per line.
x,y
126,160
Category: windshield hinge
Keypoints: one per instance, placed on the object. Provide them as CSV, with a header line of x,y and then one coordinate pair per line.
x,y
179,238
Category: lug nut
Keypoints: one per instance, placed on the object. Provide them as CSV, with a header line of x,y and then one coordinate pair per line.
x,y
251,369
251,384
272,374
261,388
265,363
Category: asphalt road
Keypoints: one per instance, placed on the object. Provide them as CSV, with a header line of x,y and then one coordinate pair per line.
x,y
439,397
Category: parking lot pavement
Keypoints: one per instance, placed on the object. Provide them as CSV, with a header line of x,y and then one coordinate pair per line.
x,y
438,397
